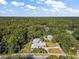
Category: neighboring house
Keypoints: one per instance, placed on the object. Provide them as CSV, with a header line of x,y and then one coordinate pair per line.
x,y
37,43
36,40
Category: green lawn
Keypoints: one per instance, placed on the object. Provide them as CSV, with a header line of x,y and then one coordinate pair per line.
x,y
54,50
50,44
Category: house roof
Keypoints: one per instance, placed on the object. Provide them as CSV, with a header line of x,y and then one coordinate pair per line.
x,y
37,43
36,40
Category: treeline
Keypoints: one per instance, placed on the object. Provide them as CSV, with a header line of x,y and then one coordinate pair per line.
x,y
16,32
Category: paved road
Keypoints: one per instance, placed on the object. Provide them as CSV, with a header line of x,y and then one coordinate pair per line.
x,y
35,56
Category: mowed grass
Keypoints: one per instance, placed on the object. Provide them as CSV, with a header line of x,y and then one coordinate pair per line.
x,y
27,48
54,50
50,44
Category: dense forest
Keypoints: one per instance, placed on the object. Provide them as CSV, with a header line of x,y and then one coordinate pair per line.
x,y
16,32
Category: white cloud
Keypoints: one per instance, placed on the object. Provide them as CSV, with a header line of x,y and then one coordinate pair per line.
x,y
38,2
71,11
52,8
42,0
55,4
60,7
48,1
53,12
30,7
45,9
17,3
3,2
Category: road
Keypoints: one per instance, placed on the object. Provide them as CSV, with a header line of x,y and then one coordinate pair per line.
x,y
33,56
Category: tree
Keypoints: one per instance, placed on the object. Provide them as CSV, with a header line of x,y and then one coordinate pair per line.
x,y
10,41
67,41
76,34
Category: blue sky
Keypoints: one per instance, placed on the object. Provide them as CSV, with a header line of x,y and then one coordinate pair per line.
x,y
39,8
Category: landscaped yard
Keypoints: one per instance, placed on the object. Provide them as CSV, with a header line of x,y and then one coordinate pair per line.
x,y
54,50
27,48
51,44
